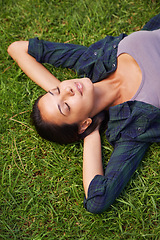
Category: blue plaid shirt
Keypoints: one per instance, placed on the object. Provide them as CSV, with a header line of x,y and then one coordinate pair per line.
x,y
132,125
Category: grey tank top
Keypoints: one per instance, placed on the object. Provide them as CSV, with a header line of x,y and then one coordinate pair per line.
x,y
144,47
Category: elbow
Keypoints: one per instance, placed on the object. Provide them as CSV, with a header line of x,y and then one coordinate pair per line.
x,y
100,195
9,49
95,209
12,47
15,49
97,204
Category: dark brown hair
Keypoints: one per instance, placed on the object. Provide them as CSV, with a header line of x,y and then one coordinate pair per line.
x,y
66,133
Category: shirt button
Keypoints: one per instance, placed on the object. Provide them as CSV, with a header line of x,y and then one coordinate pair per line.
x,y
113,65
114,46
139,129
95,53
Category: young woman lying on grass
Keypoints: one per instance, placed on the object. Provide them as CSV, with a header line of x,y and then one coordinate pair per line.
x,y
120,79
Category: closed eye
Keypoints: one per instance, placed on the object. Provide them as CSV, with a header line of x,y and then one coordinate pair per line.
x,y
59,107
64,111
53,90
68,106
58,90
65,102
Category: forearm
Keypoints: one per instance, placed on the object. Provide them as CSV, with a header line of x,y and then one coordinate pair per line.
x,y
92,159
123,162
33,69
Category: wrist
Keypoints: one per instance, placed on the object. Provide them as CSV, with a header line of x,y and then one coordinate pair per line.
x,y
92,134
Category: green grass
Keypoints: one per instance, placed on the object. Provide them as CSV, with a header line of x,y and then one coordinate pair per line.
x,y
41,192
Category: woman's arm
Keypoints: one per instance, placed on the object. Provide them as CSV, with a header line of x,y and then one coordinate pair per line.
x,y
33,69
92,159
103,190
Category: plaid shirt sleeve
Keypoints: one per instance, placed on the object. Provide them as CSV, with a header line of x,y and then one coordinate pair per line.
x,y
57,54
103,190
95,62
153,24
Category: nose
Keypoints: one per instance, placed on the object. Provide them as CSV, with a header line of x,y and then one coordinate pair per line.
x,y
68,91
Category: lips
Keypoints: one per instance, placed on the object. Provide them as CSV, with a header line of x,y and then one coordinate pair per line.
x,y
79,87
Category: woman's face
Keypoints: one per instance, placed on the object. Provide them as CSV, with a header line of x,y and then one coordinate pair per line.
x,y
72,101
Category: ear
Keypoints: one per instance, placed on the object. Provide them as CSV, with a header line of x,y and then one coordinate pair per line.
x,y
84,125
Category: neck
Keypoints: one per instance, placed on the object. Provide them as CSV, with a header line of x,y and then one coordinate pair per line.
x,y
117,88
107,93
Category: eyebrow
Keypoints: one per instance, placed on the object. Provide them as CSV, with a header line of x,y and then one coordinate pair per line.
x,y
58,104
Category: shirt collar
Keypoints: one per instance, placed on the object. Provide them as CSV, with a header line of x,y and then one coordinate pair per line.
x,y
124,110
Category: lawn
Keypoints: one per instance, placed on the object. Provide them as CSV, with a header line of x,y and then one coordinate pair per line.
x,y
41,191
